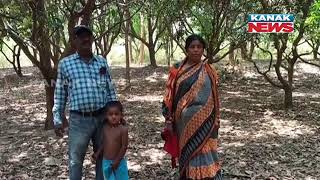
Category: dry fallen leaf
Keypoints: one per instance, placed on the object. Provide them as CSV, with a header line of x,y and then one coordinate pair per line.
x,y
258,140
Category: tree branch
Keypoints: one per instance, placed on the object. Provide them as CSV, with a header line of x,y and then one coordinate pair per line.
x,y
265,75
310,63
23,46
120,22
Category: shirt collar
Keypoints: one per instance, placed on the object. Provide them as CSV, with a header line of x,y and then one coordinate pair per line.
x,y
94,57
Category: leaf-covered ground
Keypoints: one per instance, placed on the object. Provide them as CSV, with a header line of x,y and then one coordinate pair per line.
x,y
258,139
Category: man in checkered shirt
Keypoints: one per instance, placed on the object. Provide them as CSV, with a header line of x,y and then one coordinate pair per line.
x,y
84,81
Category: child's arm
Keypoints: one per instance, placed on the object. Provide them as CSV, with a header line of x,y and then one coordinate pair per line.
x,y
123,149
97,154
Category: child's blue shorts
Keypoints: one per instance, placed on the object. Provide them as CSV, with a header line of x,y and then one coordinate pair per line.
x,y
121,173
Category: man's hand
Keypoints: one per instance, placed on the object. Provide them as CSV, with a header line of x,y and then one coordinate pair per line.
x,y
115,165
59,132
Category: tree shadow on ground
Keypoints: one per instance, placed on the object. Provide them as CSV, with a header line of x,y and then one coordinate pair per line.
x,y
258,138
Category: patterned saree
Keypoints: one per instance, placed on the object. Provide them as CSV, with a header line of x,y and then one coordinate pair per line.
x,y
191,100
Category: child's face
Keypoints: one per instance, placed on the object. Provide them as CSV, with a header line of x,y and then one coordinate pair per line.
x,y
114,115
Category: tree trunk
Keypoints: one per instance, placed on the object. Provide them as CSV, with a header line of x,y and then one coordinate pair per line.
x,y
167,52
315,51
244,51
19,73
152,54
151,47
143,35
142,45
130,47
127,60
288,103
171,49
127,28
35,55
251,50
231,55
49,105
141,53
16,69
247,52
44,49
85,15
210,55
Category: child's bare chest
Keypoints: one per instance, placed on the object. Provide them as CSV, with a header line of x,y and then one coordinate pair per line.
x,y
112,135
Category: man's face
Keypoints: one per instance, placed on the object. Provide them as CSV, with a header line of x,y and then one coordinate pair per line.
x,y
84,41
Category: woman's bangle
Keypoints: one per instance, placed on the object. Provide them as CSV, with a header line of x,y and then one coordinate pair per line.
x,y
168,122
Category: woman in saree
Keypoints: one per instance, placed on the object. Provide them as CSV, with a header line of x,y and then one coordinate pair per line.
x,y
191,110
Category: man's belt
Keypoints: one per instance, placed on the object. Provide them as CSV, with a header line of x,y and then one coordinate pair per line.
x,y
92,113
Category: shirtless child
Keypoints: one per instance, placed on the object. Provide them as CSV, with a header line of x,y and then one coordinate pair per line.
x,y
115,143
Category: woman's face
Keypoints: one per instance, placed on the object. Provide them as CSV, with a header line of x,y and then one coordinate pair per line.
x,y
195,51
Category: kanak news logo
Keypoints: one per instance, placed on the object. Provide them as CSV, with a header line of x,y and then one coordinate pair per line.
x,y
270,23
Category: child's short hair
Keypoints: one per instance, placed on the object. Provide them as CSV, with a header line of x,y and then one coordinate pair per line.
x,y
114,104
118,105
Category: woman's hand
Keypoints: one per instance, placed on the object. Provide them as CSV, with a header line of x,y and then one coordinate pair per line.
x,y
169,125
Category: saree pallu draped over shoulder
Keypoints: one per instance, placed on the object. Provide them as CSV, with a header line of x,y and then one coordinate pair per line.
x,y
192,101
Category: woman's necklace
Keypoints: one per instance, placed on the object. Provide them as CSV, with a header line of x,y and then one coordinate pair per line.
x,y
189,64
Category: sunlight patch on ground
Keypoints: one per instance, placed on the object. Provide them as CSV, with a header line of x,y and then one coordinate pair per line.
x,y
152,78
306,68
237,94
250,74
35,85
159,119
226,127
310,178
165,76
234,144
87,162
231,110
149,98
314,102
238,132
155,156
40,116
18,157
3,108
122,81
301,94
134,166
32,106
282,127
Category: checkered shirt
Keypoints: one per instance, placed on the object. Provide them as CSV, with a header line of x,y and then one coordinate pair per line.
x,y
86,87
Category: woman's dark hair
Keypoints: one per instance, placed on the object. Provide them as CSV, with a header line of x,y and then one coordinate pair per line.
x,y
194,37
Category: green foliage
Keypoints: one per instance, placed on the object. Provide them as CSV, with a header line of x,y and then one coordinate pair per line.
x,y
313,21
219,22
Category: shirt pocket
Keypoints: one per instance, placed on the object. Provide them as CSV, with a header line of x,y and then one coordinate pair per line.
x,y
102,81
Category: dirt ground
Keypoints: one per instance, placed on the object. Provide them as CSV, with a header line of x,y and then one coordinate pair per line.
x,y
258,139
